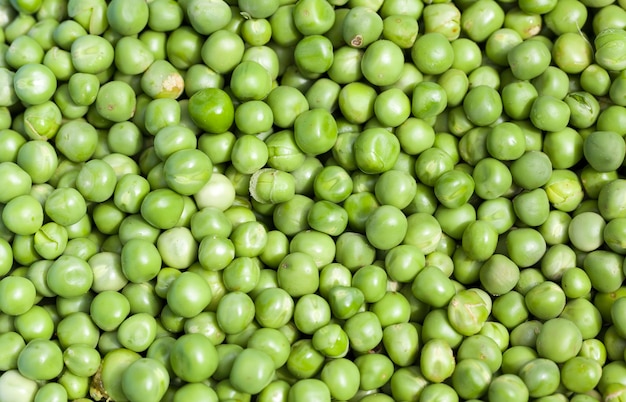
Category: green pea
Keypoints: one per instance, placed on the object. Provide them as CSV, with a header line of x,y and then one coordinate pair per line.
x,y
313,17
468,312
291,271
16,180
436,360
483,105
559,340
356,102
193,357
429,99
604,150
580,374
34,84
315,131
361,27
471,378
252,371
525,246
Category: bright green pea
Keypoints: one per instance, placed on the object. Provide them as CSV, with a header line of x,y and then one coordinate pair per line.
x,y
15,179
436,360
162,208
356,102
559,340
432,287
383,61
361,27
34,84
429,99
188,295
23,215
483,105
432,53
525,246
604,150
564,190
531,170
140,261
51,240
109,309
41,359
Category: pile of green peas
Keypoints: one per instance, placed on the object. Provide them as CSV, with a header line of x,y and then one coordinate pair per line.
x,y
312,200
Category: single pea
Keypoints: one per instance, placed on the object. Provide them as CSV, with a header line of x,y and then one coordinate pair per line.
x,y
429,99
23,215
34,83
564,190
559,340
315,131
525,246
193,357
432,53
604,150
361,27
356,102
293,268
602,267
483,105
484,13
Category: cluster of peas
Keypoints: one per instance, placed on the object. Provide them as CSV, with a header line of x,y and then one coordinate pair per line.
x,y
312,200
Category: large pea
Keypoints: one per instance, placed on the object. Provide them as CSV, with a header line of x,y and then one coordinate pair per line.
x,y
468,312
559,340
437,360
471,378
